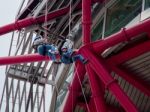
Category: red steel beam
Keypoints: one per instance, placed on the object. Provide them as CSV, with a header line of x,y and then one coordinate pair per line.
x,y
99,67
114,62
31,21
86,21
22,59
86,26
130,77
91,105
129,53
102,45
97,90
123,56
74,89
121,36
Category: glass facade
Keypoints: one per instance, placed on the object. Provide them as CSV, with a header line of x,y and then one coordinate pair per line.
x,y
64,89
147,4
118,15
97,32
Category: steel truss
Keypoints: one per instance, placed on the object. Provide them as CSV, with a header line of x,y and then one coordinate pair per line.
x,y
98,68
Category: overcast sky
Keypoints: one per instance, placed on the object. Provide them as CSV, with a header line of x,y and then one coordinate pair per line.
x,y
8,10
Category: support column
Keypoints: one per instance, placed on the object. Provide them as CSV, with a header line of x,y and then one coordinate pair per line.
x,y
23,59
109,82
31,21
74,89
91,105
86,21
97,90
139,84
80,71
125,34
7,95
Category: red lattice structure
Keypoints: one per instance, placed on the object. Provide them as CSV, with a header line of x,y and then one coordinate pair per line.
x,y
97,65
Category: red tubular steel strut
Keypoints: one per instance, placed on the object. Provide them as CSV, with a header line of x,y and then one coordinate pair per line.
x,y
121,36
139,84
99,46
86,26
86,21
74,89
114,62
97,90
31,21
109,82
23,59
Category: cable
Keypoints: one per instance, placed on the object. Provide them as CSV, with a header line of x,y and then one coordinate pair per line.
x,y
70,18
82,91
69,24
70,11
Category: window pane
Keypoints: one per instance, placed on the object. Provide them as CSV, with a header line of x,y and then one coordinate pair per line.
x,y
120,14
147,4
97,32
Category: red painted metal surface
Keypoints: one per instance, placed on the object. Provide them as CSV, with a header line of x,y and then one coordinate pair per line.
x,y
31,21
114,62
131,53
97,90
86,26
86,21
122,36
128,76
91,105
101,45
100,68
23,59
74,89
95,63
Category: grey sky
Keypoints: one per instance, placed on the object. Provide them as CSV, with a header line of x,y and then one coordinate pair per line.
x,y
8,10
